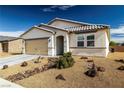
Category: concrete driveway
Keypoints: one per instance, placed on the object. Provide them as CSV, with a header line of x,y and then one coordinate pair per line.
x,y
16,59
7,84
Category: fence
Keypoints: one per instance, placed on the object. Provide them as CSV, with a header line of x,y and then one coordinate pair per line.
x,y
117,48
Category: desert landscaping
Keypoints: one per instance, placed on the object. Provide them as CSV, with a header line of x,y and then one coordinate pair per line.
x,y
70,77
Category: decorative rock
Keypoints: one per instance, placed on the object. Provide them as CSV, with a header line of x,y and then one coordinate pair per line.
x,y
121,68
5,67
90,60
37,70
120,60
91,72
83,57
51,59
60,76
101,69
24,64
36,61
28,73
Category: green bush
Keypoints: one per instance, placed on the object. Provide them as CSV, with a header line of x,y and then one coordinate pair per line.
x,y
65,61
112,43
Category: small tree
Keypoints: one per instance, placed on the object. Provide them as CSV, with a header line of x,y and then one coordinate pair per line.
x,y
112,43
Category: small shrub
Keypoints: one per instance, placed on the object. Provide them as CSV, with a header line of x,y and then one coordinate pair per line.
x,y
65,61
68,54
5,67
24,64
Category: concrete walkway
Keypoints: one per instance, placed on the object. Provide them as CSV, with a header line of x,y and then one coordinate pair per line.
x,y
16,59
8,84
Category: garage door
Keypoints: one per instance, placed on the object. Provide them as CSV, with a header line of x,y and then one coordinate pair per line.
x,y
37,46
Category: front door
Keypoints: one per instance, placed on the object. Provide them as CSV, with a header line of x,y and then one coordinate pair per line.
x,y
60,45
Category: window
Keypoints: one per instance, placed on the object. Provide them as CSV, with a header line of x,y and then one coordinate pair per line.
x,y
80,41
90,40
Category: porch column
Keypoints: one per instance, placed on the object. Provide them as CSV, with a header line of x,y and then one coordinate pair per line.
x,y
67,42
53,45
23,46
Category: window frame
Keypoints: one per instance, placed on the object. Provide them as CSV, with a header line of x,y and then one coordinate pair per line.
x,y
83,40
90,40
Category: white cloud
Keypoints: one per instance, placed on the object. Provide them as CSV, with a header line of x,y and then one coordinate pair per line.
x,y
117,34
65,7
10,33
118,30
60,7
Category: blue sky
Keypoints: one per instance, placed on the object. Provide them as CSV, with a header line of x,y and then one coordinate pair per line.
x,y
14,20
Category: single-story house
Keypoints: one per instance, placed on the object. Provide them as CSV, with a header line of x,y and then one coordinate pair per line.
x,y
4,40
62,35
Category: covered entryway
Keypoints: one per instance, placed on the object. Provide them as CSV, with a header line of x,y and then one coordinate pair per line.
x,y
36,46
60,45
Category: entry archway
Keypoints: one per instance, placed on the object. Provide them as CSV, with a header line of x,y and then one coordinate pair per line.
x,y
60,45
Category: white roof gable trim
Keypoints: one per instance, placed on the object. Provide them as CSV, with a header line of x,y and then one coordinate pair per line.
x,y
54,27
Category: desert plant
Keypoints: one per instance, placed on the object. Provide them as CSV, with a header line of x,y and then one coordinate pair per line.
x,y
65,61
112,43
68,54
37,60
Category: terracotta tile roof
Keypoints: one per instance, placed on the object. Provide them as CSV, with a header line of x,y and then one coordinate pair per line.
x,y
85,28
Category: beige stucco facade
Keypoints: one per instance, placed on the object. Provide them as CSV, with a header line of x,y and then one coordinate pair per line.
x,y
101,41
62,24
1,47
101,47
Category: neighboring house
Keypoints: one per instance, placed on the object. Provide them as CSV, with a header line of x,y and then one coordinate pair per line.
x,y
16,46
61,35
4,47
